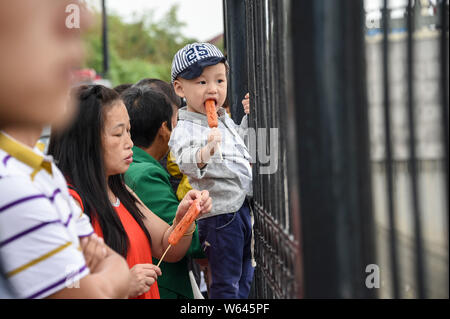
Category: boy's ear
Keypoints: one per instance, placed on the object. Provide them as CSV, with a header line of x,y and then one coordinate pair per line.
x,y
164,130
178,87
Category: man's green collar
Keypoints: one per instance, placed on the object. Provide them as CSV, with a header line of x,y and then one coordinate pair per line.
x,y
139,156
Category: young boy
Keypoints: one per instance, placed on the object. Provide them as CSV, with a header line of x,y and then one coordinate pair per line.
x,y
199,73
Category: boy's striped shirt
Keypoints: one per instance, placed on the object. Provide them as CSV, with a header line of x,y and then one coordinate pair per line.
x,y
40,224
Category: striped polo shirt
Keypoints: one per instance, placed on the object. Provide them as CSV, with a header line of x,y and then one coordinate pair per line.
x,y
40,224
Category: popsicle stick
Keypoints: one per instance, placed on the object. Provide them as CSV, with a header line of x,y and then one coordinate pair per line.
x,y
220,151
168,247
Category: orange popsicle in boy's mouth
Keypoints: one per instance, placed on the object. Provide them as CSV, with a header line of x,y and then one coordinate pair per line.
x,y
211,113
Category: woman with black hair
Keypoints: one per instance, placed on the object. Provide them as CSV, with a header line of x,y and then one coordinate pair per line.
x,y
93,154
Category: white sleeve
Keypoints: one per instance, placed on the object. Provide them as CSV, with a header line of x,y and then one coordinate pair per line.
x,y
83,223
40,252
242,129
84,226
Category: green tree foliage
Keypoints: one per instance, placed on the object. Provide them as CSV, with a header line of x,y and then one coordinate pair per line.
x,y
142,48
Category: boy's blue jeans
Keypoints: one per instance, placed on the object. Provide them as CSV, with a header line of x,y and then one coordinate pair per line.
x,y
227,242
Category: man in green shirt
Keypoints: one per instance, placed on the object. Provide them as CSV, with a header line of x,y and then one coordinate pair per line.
x,y
152,118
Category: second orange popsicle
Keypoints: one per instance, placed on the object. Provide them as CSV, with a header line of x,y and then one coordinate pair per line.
x,y
186,221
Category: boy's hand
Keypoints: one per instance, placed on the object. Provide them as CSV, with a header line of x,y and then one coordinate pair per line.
x,y
214,138
205,153
246,103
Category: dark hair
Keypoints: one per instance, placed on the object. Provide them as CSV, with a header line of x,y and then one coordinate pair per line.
x,y
122,87
148,110
78,153
163,87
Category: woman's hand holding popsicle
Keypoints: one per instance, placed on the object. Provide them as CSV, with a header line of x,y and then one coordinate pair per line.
x,y
205,203
194,204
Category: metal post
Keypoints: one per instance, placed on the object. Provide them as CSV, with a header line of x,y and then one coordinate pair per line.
x,y
105,40
236,50
277,249
444,93
388,153
420,265
332,137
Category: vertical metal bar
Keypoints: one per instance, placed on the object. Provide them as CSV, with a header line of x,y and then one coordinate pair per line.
x,y
105,39
276,253
271,92
331,124
236,51
444,94
225,26
412,156
258,285
278,84
363,215
388,153
279,39
291,142
260,86
250,55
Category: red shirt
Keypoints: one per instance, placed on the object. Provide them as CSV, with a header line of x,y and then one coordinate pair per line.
x,y
139,250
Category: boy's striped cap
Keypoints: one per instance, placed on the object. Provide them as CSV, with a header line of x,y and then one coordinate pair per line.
x,y
189,61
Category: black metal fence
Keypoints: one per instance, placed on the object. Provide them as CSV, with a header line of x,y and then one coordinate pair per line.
x,y
260,47
345,203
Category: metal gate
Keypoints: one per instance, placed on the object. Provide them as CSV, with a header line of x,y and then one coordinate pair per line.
x,y
257,51
338,173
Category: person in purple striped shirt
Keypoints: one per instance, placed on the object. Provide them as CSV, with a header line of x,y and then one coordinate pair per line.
x,y
47,245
